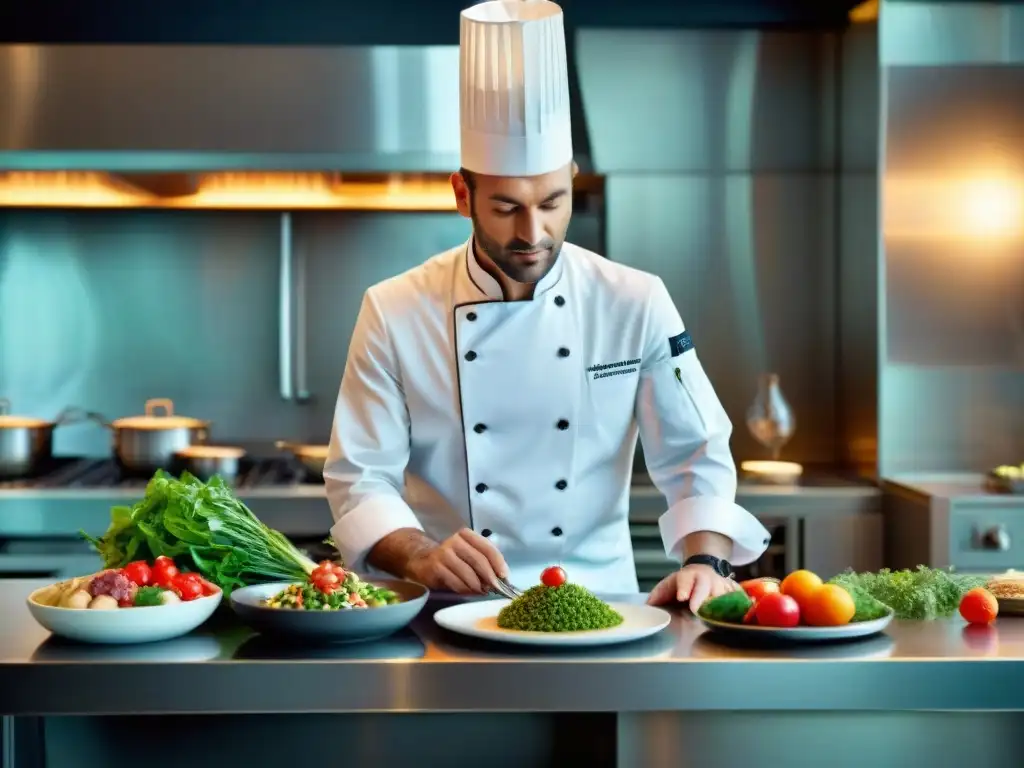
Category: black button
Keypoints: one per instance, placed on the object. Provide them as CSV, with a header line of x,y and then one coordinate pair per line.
x,y
479,428
471,355
562,485
559,301
471,316
563,424
556,531
486,533
563,351
767,542
480,487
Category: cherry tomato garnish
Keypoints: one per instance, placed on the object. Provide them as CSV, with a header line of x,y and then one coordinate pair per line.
x,y
163,572
138,573
553,576
187,586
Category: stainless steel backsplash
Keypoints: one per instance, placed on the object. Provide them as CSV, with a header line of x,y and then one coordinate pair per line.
x,y
751,233
952,376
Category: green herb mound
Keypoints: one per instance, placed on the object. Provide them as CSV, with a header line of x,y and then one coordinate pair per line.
x,y
568,608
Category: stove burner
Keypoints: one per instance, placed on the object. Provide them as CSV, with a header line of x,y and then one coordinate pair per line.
x,y
72,472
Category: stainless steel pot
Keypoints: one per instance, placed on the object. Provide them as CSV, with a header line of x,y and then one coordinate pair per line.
x,y
25,442
311,457
144,444
205,461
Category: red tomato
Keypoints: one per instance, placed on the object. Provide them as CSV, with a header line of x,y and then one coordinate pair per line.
x,y
553,577
209,588
758,588
163,572
979,606
750,616
187,586
777,610
138,573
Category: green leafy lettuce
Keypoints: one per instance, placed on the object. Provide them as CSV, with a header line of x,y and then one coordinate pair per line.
x,y
204,527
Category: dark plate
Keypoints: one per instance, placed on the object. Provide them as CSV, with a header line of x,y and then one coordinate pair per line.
x,y
351,626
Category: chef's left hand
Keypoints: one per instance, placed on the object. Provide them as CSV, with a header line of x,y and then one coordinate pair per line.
x,y
693,583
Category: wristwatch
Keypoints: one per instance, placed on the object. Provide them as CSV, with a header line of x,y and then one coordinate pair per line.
x,y
717,564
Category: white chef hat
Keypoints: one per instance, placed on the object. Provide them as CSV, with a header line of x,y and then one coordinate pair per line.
x,y
514,84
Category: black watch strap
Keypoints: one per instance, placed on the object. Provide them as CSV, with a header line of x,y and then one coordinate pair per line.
x,y
720,566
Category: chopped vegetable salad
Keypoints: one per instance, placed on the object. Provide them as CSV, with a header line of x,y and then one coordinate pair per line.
x,y
331,588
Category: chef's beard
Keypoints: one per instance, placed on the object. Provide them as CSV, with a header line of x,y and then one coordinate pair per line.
x,y
505,256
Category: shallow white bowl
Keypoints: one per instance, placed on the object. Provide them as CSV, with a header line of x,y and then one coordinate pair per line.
x,y
125,625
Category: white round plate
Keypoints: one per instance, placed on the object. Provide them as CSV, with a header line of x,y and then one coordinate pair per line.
x,y
800,634
124,625
480,619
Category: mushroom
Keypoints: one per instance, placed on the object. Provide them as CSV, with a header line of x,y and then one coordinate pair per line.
x,y
103,603
78,599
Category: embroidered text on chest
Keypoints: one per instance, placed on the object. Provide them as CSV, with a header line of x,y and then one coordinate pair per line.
x,y
603,370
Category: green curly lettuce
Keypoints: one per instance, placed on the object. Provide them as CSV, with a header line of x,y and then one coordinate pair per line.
x,y
568,608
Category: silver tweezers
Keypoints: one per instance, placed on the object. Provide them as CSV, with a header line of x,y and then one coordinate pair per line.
x,y
503,588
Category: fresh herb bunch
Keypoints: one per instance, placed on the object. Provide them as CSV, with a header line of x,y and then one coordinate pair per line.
x,y
567,608
924,593
204,527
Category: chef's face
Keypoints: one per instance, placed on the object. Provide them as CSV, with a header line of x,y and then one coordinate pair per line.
x,y
518,222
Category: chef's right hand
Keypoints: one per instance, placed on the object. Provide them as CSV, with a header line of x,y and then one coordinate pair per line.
x,y
465,563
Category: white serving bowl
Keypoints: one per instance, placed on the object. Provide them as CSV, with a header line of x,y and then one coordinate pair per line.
x,y
125,625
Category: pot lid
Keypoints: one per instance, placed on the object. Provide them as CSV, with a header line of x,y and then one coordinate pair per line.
x,y
211,452
9,420
153,421
312,451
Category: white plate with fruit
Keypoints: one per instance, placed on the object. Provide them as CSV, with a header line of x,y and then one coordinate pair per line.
x,y
139,603
799,608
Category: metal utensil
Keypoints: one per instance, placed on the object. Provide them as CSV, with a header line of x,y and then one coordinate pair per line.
x,y
144,444
205,461
27,442
504,588
311,457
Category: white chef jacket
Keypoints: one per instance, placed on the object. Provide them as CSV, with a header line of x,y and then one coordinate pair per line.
x,y
519,419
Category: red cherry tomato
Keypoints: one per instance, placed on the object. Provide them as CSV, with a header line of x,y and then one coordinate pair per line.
x,y
758,588
187,586
750,616
777,610
163,572
209,588
553,577
139,573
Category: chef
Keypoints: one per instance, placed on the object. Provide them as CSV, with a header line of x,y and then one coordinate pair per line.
x,y
492,397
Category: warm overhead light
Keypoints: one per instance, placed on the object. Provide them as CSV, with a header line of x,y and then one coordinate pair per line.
x,y
867,11
230,190
983,207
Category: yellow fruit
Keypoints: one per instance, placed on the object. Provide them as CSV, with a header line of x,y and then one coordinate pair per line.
x,y
829,606
801,586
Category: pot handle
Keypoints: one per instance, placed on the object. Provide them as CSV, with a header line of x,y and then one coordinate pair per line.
x,y
5,406
74,415
160,402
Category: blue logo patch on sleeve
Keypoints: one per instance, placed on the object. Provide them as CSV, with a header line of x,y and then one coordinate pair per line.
x,y
679,344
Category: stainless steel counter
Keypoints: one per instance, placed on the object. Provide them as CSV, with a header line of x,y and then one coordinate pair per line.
x,y
925,693
916,666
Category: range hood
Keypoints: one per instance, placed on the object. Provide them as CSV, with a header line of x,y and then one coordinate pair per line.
x,y
233,126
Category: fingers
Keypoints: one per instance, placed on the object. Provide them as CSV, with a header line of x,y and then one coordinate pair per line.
x,y
448,580
477,560
700,588
664,592
451,560
488,550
